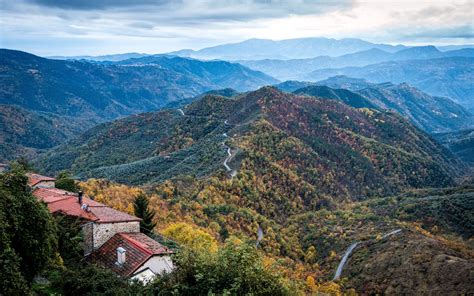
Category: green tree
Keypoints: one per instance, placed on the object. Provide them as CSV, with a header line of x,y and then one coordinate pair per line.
x,y
141,210
65,181
28,234
236,269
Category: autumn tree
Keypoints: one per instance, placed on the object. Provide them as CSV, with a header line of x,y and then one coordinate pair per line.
x,y
141,210
191,237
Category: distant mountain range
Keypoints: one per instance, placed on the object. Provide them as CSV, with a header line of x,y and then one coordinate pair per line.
x,y
451,77
259,49
299,68
285,49
84,94
102,58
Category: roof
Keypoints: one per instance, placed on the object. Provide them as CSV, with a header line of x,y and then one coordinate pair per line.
x,y
61,201
34,179
140,248
109,215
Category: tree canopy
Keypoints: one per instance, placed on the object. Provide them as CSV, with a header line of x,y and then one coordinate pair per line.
x,y
27,234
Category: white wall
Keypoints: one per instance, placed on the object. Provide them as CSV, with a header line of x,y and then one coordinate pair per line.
x,y
157,264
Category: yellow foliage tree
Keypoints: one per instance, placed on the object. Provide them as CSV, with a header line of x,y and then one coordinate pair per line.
x,y
117,196
311,284
192,237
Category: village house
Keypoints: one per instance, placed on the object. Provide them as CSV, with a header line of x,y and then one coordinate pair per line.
x,y
39,181
112,238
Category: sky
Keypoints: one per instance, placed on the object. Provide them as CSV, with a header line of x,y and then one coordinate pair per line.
x,y
95,27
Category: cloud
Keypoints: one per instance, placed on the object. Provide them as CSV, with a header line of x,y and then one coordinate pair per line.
x,y
449,33
95,4
78,27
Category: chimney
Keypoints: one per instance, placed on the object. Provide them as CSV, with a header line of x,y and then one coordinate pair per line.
x,y
121,252
79,197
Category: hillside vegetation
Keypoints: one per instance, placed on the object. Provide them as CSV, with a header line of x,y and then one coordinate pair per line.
x,y
430,113
275,137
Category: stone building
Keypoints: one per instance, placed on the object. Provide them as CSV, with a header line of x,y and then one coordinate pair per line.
x,y
39,181
109,235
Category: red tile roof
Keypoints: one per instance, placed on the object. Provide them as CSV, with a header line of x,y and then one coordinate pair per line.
x,y
34,179
65,202
71,207
139,249
109,215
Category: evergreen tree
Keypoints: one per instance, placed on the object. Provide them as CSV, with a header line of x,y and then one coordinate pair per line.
x,y
28,235
66,182
140,207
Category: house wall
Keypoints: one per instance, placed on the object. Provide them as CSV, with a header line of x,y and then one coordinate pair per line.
x,y
88,236
157,264
144,276
102,232
45,184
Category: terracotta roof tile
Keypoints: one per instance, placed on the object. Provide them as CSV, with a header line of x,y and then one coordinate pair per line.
x,y
34,179
59,200
139,249
71,207
108,215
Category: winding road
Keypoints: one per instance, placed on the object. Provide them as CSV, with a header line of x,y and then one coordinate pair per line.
x,y
232,172
351,248
343,261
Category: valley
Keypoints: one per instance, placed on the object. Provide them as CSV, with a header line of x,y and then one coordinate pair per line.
x,y
325,166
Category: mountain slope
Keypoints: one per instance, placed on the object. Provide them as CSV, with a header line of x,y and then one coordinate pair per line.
x,y
101,92
432,114
220,73
26,133
461,143
451,77
84,94
346,96
302,140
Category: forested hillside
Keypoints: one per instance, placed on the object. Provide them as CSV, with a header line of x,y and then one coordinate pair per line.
x,y
81,94
275,137
26,133
430,113
430,229
460,143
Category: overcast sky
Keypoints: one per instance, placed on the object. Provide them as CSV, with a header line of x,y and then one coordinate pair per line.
x,y
92,27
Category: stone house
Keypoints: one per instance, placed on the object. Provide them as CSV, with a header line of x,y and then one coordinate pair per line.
x,y
39,181
109,235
